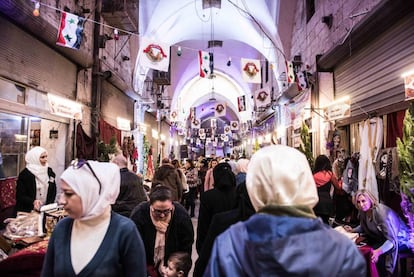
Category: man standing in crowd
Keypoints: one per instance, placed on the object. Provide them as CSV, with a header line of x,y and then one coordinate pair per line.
x,y
168,176
131,191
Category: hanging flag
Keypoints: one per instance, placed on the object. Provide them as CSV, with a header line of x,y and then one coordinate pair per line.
x,y
213,123
204,62
290,76
173,116
154,55
234,125
220,109
70,30
241,103
195,124
302,80
262,98
192,114
251,70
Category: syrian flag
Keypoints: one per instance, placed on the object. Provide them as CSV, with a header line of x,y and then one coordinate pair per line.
x,y
70,30
251,70
154,54
241,103
204,62
290,77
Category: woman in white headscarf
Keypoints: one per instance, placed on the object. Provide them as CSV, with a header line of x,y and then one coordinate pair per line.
x,y
36,184
93,240
276,240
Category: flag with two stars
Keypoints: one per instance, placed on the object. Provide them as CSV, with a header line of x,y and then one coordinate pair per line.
x,y
70,30
204,63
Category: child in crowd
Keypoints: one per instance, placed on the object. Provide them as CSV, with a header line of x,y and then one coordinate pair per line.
x,y
179,264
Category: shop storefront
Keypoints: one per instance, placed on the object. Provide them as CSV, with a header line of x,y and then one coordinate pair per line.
x,y
367,68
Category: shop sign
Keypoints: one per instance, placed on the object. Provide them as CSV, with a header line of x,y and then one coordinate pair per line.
x,y
64,107
123,124
338,110
409,85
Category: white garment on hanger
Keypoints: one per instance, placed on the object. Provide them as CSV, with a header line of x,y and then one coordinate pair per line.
x,y
371,140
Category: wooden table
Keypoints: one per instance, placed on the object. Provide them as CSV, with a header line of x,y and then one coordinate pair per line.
x,y
26,262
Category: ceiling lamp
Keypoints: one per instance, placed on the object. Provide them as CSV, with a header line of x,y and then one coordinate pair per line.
x,y
36,9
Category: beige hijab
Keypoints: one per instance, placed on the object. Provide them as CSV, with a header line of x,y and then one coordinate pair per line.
x,y
280,175
39,171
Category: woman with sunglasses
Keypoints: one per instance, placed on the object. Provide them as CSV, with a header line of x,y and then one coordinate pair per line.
x,y
93,240
165,227
36,184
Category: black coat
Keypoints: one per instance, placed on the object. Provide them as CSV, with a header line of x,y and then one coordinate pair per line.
x,y
179,236
221,222
26,190
212,202
168,176
131,193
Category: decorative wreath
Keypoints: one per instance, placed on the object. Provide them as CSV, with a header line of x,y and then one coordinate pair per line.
x,y
251,69
155,52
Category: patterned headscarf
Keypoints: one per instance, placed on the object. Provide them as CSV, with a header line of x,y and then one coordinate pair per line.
x,y
280,175
85,185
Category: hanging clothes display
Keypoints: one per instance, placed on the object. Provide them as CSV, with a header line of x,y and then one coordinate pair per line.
x,y
371,131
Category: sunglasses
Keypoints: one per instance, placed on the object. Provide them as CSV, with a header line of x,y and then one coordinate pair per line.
x,y
161,212
76,164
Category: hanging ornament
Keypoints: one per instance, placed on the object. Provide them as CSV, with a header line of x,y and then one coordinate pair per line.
x,y
179,51
116,34
36,11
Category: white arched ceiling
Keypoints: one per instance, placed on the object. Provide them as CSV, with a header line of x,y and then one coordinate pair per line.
x,y
184,23
199,89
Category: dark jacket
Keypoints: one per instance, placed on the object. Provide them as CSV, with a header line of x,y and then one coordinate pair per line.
x,y
220,223
268,245
179,236
131,193
223,197
168,176
119,255
26,190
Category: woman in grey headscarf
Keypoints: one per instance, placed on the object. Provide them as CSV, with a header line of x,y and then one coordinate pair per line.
x,y
93,240
36,184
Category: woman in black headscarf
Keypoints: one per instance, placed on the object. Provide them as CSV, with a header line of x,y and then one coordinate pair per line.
x,y
221,198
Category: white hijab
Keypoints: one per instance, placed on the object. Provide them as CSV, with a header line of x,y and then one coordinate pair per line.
x,y
38,170
280,175
85,185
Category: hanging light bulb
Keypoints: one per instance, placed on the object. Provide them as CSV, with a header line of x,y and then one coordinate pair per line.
x,y
229,62
116,34
36,9
179,52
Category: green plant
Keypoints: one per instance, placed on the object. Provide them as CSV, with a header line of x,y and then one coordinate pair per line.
x,y
105,150
306,146
405,148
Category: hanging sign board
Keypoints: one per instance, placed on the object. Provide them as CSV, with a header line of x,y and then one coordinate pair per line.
x,y
409,85
64,107
338,110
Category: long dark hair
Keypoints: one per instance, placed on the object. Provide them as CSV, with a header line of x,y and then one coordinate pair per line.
x,y
322,163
